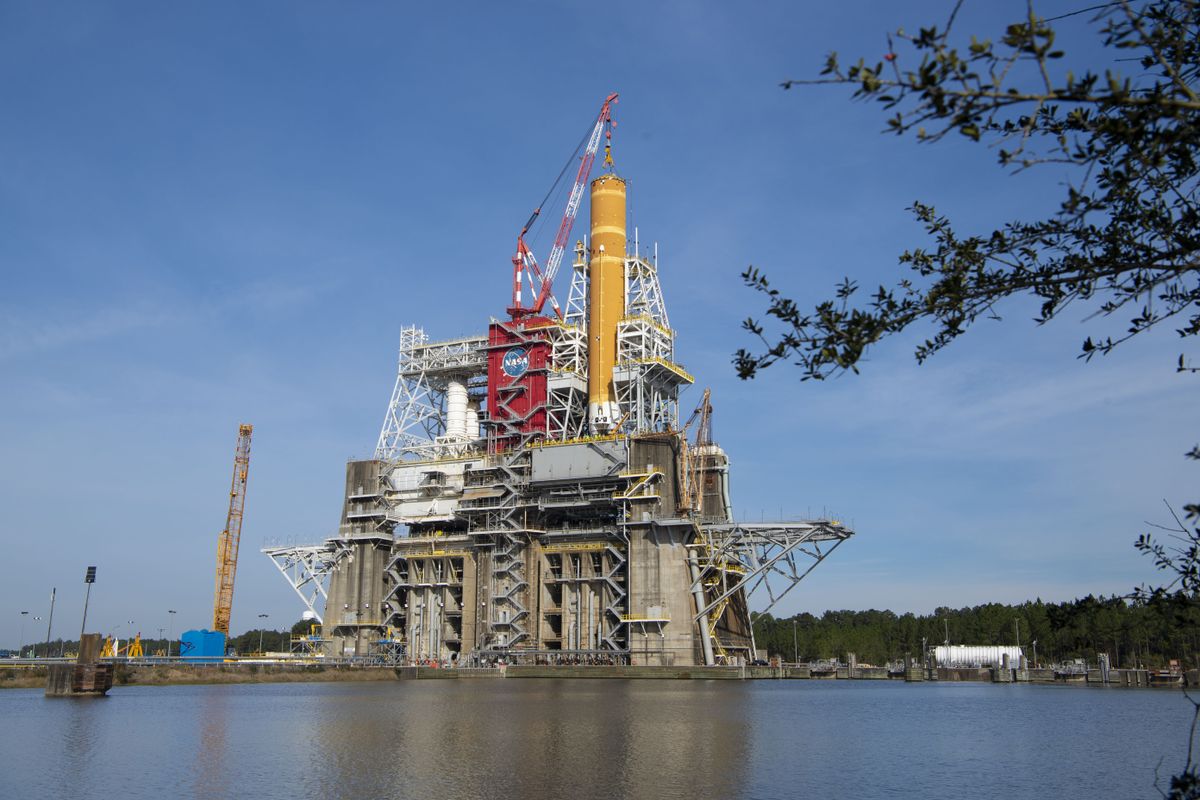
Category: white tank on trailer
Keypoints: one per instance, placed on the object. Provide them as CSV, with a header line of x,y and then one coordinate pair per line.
x,y
970,655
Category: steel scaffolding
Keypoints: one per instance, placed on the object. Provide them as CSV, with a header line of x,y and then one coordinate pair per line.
x,y
646,377
415,423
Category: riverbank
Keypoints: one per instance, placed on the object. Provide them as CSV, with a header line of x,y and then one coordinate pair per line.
x,y
916,674
34,677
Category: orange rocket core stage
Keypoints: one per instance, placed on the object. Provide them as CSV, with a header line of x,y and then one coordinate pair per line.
x,y
606,297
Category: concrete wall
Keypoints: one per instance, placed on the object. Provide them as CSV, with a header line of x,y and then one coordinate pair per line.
x,y
659,586
714,485
354,613
661,453
362,507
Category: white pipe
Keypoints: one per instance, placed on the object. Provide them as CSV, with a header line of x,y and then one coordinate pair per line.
x,y
726,502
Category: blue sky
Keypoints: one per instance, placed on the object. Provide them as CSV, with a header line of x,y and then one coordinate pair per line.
x,y
216,213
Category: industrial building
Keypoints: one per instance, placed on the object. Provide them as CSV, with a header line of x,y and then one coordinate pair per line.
x,y
535,495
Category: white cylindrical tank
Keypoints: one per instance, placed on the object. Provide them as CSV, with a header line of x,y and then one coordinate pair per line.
x,y
969,655
473,419
456,409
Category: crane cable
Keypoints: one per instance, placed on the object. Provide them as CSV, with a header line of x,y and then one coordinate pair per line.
x,y
570,159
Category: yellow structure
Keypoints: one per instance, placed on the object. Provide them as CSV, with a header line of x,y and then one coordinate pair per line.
x,y
134,649
606,298
227,542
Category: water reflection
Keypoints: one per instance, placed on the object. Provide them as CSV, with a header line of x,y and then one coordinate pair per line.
x,y
535,739
80,743
767,740
211,767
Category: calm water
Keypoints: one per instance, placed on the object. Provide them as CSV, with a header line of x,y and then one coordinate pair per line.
x,y
585,739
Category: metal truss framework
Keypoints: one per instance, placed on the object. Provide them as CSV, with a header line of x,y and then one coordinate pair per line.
x,y
738,557
427,592
416,415
596,568
643,292
566,405
616,636
503,517
646,377
502,520
306,568
388,650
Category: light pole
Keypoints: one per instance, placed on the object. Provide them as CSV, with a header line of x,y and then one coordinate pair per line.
x,y
33,645
89,578
1035,661
795,644
260,631
170,630
21,646
50,623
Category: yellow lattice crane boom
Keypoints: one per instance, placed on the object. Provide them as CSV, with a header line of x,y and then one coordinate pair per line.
x,y
227,543
691,495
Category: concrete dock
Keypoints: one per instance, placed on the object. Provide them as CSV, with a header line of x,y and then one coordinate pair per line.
x,y
1129,678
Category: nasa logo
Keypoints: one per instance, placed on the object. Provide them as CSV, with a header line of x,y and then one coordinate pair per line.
x,y
516,361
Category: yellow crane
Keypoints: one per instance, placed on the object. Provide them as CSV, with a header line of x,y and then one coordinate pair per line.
x,y
691,495
227,542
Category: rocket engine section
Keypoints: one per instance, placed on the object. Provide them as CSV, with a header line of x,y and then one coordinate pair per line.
x,y
518,366
606,298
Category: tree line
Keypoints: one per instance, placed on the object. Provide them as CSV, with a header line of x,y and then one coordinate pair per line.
x,y
1146,633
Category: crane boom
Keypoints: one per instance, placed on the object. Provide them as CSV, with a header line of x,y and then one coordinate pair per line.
x,y
692,497
524,261
227,542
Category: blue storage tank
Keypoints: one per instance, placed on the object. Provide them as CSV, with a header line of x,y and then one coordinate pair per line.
x,y
202,646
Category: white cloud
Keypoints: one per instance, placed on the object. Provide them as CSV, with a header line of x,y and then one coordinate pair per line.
x,y
26,334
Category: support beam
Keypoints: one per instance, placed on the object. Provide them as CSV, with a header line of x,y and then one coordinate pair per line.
x,y
306,568
754,553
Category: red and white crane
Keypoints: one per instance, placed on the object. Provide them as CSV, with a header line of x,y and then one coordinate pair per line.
x,y
525,265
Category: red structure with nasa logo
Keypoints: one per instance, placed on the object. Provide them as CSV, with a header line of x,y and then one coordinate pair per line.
x,y
518,363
